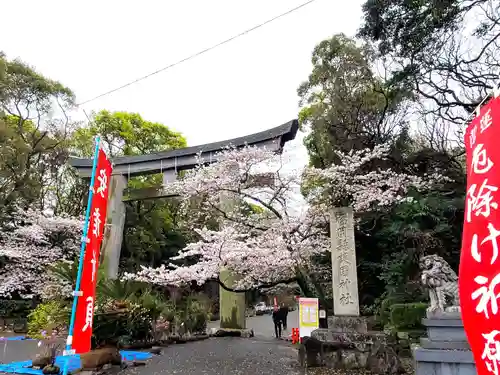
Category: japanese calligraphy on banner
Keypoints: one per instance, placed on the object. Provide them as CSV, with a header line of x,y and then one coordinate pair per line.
x,y
85,305
479,276
308,316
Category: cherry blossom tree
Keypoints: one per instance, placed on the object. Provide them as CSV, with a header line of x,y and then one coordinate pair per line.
x,y
30,242
351,183
263,234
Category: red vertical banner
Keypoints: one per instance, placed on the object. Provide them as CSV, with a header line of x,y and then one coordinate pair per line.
x,y
479,275
85,307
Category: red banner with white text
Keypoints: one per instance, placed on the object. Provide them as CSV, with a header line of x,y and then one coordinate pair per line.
x,y
85,306
479,275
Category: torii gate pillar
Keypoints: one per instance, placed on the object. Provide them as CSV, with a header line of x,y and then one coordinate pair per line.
x,y
115,220
232,306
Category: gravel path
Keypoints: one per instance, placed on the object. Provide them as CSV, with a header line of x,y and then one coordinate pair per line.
x,y
214,356
18,350
263,325
223,356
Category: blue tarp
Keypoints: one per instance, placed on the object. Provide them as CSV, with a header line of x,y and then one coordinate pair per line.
x,y
73,364
14,338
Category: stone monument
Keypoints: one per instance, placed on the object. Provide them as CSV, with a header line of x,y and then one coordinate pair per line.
x,y
344,274
445,351
348,343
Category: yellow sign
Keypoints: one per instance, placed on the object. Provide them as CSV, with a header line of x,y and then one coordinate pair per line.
x,y
308,316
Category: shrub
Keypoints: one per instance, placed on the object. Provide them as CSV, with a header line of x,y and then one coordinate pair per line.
x,y
47,317
383,311
124,323
195,314
410,294
196,322
407,315
15,308
192,310
115,289
151,301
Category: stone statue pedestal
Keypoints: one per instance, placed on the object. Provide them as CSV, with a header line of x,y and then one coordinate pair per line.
x,y
445,351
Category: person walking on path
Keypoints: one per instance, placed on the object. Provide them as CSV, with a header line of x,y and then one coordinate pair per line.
x,y
277,319
284,315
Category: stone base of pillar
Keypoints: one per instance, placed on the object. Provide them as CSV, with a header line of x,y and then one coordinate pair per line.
x,y
358,324
348,344
228,332
231,305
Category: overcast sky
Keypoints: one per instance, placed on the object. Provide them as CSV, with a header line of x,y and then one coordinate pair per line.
x,y
243,87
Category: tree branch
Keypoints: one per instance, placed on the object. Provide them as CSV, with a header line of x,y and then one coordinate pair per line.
x,y
263,285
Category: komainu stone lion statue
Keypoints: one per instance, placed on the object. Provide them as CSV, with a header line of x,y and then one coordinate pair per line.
x,y
442,283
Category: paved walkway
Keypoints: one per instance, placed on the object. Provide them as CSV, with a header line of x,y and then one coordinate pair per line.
x,y
214,356
16,351
263,326
262,354
224,356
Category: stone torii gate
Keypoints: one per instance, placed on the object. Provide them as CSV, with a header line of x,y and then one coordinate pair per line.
x,y
169,163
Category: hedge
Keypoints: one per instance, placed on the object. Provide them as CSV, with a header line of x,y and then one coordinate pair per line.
x,y
407,315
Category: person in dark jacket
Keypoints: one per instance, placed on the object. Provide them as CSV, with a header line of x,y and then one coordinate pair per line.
x,y
284,315
277,319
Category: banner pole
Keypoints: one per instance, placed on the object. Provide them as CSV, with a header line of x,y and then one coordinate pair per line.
x,y
76,292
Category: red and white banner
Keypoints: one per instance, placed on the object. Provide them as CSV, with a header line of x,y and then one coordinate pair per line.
x,y
479,275
85,306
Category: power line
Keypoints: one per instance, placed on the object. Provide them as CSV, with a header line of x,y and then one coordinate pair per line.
x,y
198,53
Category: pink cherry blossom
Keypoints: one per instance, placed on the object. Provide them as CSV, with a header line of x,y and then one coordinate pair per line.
x,y
348,183
29,242
269,245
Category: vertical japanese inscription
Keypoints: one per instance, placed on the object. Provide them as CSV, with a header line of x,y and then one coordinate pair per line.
x,y
344,274
479,277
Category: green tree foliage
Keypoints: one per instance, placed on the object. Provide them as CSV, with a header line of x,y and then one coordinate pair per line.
x,y
447,53
389,245
32,140
352,101
153,233
345,105
124,133
153,228
36,138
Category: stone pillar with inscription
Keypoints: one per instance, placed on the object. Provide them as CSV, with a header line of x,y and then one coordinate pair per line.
x,y
344,274
344,271
349,343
